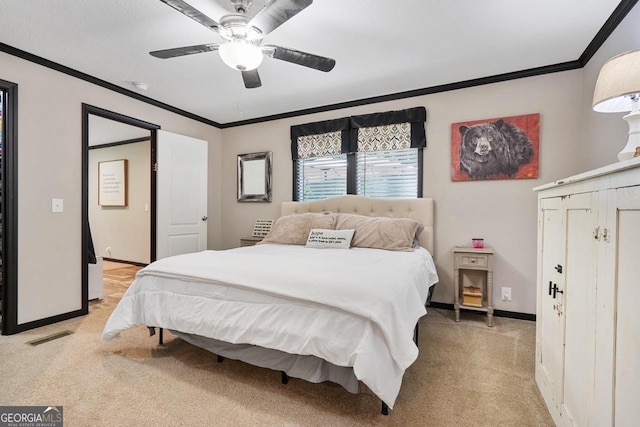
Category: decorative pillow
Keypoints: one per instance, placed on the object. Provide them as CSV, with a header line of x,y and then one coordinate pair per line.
x,y
394,234
294,229
336,239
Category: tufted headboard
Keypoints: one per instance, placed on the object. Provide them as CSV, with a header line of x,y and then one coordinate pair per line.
x,y
419,209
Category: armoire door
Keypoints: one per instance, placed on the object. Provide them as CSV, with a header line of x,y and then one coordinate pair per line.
x,y
579,306
567,296
624,223
550,329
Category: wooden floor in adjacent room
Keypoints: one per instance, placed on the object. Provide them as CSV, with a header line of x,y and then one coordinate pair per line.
x,y
117,278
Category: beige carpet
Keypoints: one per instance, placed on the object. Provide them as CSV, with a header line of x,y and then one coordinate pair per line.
x,y
466,375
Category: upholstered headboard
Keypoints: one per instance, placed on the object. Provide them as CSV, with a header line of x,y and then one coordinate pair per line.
x,y
418,209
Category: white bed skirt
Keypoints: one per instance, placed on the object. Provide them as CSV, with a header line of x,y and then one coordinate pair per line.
x,y
309,368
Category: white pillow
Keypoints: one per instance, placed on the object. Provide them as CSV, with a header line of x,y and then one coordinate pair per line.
x,y
322,239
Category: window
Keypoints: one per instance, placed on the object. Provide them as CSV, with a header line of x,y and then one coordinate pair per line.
x,y
390,174
321,177
374,155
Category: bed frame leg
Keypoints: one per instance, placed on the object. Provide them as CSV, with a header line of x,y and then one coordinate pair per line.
x,y
385,409
285,378
160,337
220,359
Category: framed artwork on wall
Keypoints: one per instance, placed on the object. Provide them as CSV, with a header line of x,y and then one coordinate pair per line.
x,y
254,177
500,148
112,183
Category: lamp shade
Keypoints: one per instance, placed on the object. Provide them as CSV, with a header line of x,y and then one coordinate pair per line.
x,y
619,77
241,55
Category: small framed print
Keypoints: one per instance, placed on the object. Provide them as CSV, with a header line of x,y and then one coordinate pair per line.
x,y
112,183
262,227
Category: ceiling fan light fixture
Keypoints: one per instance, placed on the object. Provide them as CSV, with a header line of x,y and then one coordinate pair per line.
x,y
240,55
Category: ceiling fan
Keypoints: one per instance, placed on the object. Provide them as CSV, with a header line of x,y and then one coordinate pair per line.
x,y
242,48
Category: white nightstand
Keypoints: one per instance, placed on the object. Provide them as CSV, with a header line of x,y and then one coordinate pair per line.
x,y
250,241
473,268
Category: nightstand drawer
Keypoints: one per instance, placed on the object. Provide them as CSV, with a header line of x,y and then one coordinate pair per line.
x,y
473,260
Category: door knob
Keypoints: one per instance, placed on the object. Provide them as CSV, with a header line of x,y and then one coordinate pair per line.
x,y
204,218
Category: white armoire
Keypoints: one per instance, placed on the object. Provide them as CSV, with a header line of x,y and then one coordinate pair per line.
x,y
588,297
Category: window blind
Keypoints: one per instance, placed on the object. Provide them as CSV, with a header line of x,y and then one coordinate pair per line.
x,y
321,177
391,174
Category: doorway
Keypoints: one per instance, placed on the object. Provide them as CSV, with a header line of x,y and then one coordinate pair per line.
x,y
113,125
8,207
119,206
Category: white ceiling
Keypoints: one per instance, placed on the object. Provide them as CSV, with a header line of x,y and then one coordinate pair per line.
x,y
381,47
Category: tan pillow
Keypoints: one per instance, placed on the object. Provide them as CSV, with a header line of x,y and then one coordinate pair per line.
x,y
394,234
294,229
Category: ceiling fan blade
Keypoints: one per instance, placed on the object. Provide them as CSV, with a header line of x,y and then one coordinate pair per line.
x,y
301,58
182,51
192,13
251,79
275,13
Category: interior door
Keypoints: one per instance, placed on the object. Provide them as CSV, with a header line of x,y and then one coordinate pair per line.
x,y
181,194
549,364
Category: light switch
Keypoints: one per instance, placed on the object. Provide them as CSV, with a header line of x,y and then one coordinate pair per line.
x,y
57,205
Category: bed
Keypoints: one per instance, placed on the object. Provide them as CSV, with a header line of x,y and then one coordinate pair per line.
x,y
279,304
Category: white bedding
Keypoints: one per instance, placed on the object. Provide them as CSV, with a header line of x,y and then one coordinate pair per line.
x,y
352,307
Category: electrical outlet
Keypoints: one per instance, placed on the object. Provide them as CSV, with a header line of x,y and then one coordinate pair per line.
x,y
57,205
108,250
506,294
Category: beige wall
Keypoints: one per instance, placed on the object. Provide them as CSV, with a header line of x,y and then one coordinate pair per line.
x,y
573,139
605,134
49,163
502,212
124,230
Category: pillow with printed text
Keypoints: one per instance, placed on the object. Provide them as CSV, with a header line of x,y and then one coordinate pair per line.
x,y
323,239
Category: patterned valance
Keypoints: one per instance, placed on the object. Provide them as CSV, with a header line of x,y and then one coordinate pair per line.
x,y
319,139
387,131
321,145
391,130
385,138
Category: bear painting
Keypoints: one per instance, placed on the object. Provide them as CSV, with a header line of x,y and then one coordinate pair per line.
x,y
504,148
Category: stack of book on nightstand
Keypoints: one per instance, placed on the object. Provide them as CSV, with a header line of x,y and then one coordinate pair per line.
x,y
472,296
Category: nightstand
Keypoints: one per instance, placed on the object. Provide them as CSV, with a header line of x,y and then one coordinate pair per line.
x,y
473,280
250,241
